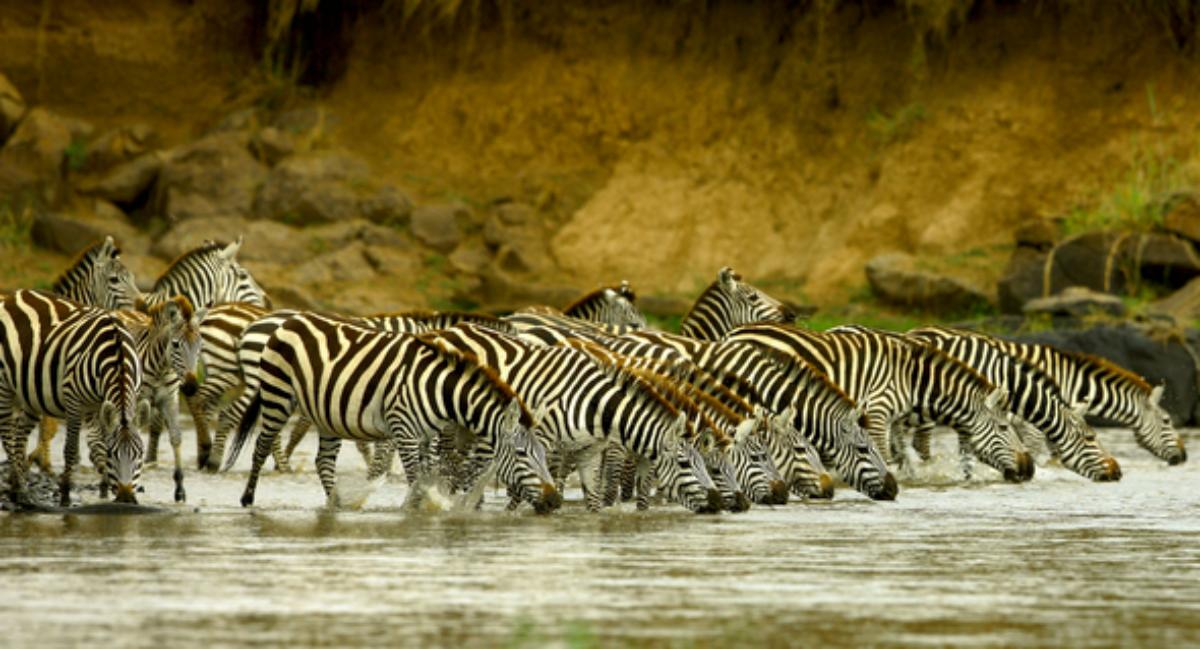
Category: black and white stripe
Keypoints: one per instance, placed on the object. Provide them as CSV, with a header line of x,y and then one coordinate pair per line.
x,y
208,275
728,303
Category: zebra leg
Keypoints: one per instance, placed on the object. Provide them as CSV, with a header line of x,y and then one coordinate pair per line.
x,y
70,461
41,455
168,409
589,476
368,454
612,462
16,438
98,454
282,465
299,430
327,453
229,419
644,479
628,477
897,439
920,441
197,405
409,449
274,414
152,447
966,455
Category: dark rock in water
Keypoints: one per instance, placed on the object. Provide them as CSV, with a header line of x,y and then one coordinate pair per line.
x,y
895,278
1156,358
43,490
1078,302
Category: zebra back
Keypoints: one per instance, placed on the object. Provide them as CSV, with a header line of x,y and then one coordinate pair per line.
x,y
728,303
208,275
417,321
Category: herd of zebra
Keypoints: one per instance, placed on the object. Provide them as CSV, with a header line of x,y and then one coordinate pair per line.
x,y
740,407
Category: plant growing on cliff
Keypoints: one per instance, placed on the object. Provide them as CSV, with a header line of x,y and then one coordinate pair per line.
x,y
1139,200
16,225
897,126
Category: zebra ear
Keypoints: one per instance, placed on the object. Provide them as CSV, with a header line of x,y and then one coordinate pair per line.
x,y
727,277
230,251
108,417
996,398
512,412
743,430
1156,394
108,248
1079,408
680,427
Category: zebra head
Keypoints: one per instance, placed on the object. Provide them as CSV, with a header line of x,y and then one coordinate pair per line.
x,y
748,304
521,462
112,285
1080,451
720,467
1156,432
681,474
233,283
620,308
802,469
994,439
177,322
125,448
868,472
751,458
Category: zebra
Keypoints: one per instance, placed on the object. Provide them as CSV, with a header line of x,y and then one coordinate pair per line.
x,y
590,404
1110,391
728,303
796,459
358,383
1034,397
610,305
75,362
168,342
99,278
895,377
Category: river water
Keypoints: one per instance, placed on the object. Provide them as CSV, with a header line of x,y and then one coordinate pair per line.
x,y
1055,562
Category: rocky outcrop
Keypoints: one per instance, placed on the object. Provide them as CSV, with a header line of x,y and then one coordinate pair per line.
x,y
212,177
440,226
1077,302
40,143
12,107
313,188
71,230
118,145
128,182
895,278
1183,217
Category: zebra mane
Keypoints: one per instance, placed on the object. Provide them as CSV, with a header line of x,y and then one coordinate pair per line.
x,y
622,290
449,319
206,248
626,376
666,386
710,384
1108,368
942,356
85,258
790,364
714,287
113,330
455,355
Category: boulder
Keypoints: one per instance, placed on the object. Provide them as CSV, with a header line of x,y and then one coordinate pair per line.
x,y
387,206
471,256
336,235
1181,306
69,232
503,292
346,264
212,177
520,241
119,145
1039,234
1164,258
127,182
39,143
12,107
320,187
1183,217
272,145
439,226
1078,302
895,278
262,240
1157,358
1090,260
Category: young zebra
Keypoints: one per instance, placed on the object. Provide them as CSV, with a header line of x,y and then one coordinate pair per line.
x,y
167,339
894,378
588,405
98,278
74,362
791,451
358,383
728,303
610,305
1110,391
1033,396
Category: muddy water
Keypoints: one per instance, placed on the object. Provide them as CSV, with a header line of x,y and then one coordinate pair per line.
x,y
1055,562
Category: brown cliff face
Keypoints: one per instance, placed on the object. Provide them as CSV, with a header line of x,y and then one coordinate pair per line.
x,y
660,143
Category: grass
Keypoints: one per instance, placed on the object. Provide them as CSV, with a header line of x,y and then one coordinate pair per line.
x,y
16,225
897,126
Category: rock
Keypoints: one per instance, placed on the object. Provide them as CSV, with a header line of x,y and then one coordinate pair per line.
x,y
1084,260
471,256
127,182
347,264
39,142
213,177
388,206
1022,280
12,107
304,120
1163,258
663,305
313,188
1135,348
895,278
263,240
1183,305
42,488
502,292
241,120
392,261
272,145
1078,302
336,235
1183,217
286,296
119,145
146,269
1039,234
66,234
439,226
519,239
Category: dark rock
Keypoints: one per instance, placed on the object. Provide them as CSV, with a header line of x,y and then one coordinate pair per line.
x,y
502,292
119,145
1039,234
1156,358
126,182
1183,217
388,206
439,226
39,143
1164,258
895,278
287,296
42,488
1085,261
12,107
519,239
313,188
471,256
1183,305
65,234
213,177
1078,302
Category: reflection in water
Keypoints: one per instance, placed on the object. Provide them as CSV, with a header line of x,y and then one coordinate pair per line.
x,y
1058,561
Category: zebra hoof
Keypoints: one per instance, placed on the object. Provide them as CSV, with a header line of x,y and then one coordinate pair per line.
x,y
247,499
180,495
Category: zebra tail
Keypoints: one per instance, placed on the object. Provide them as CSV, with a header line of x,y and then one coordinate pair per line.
x,y
245,427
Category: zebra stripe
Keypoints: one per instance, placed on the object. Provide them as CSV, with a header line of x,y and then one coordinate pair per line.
x,y
98,278
361,384
207,276
728,303
78,363
612,305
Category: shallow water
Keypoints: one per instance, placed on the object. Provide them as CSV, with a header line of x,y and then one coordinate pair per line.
x,y
1059,561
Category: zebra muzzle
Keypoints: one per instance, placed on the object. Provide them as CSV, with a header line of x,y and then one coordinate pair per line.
x,y
826,483
1112,470
1179,457
189,385
126,494
550,500
779,492
739,502
889,489
714,503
